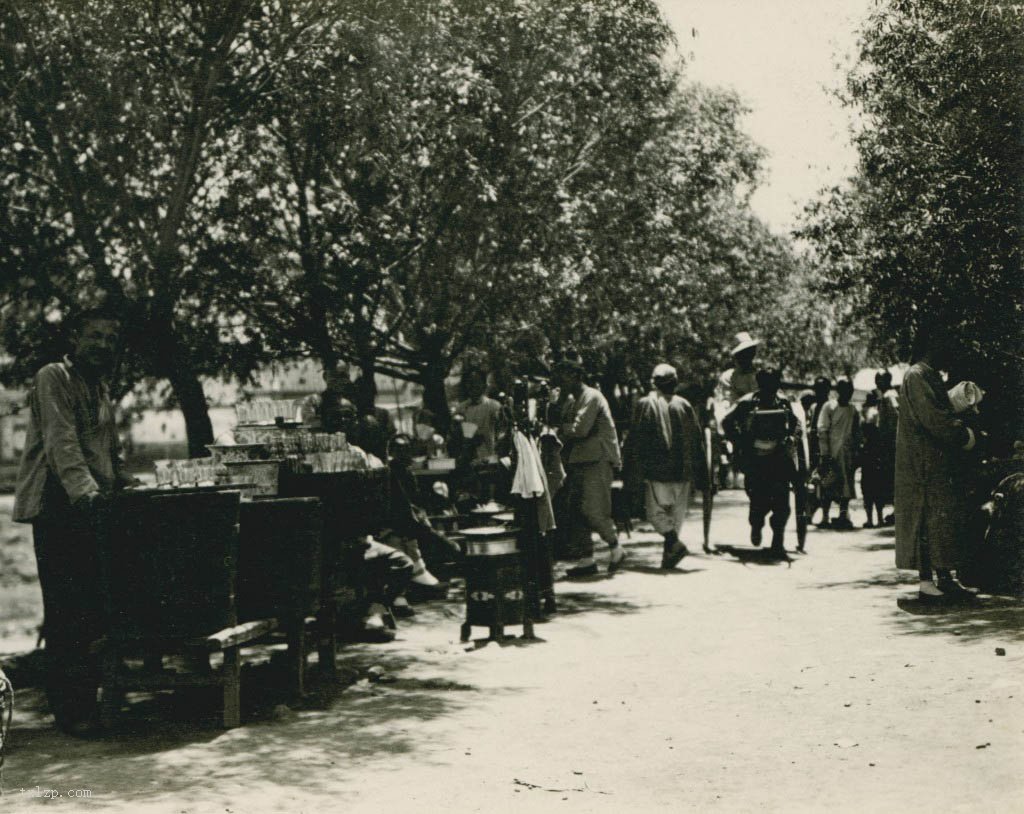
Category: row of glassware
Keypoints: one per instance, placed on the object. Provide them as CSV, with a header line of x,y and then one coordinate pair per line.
x,y
204,472
267,411
344,460
188,472
281,443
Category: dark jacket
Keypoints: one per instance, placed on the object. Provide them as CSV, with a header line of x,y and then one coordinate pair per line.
x,y
740,428
683,460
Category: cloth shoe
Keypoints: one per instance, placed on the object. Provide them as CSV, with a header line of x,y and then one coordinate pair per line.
x,y
402,609
615,563
955,592
375,629
670,559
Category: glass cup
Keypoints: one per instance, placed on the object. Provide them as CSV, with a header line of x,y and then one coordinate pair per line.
x,y
164,473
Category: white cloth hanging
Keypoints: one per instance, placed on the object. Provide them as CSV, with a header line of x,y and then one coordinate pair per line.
x,y
528,480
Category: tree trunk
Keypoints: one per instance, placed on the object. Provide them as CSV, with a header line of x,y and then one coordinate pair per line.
x,y
366,385
173,363
435,398
188,390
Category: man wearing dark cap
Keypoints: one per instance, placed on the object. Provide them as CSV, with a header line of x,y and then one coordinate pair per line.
x,y
591,454
764,428
667,441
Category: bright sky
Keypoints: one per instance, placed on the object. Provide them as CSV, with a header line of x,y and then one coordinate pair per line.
x,y
781,57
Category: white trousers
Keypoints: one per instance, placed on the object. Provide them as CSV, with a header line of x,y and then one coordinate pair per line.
x,y
667,504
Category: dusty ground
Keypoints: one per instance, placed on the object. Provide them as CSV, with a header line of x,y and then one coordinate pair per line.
x,y
729,686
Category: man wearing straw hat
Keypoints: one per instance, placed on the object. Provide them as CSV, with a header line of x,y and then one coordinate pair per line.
x,y
668,446
741,379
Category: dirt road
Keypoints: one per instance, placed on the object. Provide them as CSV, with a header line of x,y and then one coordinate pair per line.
x,y
726,686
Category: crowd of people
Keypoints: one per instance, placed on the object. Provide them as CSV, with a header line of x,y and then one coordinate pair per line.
x,y
908,447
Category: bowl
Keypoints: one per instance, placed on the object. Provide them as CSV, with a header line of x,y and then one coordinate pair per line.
x,y
483,532
486,548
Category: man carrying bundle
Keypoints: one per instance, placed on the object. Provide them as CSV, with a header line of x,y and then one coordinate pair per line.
x,y
764,429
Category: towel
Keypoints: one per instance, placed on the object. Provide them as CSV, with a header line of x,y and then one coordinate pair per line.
x,y
530,482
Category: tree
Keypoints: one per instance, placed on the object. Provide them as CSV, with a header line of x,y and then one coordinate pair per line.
x,y
929,227
119,124
415,186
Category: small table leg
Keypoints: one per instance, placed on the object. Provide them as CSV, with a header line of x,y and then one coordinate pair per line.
x,y
232,688
296,637
465,631
327,637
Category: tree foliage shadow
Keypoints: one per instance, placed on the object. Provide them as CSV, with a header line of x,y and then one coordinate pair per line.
x,y
994,618
572,603
891,578
341,726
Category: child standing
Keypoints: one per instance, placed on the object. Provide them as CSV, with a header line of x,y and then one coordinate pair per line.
x,y
839,437
871,471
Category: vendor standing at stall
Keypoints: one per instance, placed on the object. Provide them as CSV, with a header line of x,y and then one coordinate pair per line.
x,y
71,462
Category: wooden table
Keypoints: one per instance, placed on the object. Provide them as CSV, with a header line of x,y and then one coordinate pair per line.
x,y
355,504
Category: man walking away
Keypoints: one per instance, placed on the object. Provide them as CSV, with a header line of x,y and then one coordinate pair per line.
x,y
667,441
765,427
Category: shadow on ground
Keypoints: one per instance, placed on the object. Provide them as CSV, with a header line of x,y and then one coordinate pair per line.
x,y
755,556
658,571
571,603
995,618
341,726
890,578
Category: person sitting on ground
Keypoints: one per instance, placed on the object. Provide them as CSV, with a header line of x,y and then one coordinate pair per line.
x,y
381,572
839,437
409,529
764,429
668,445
